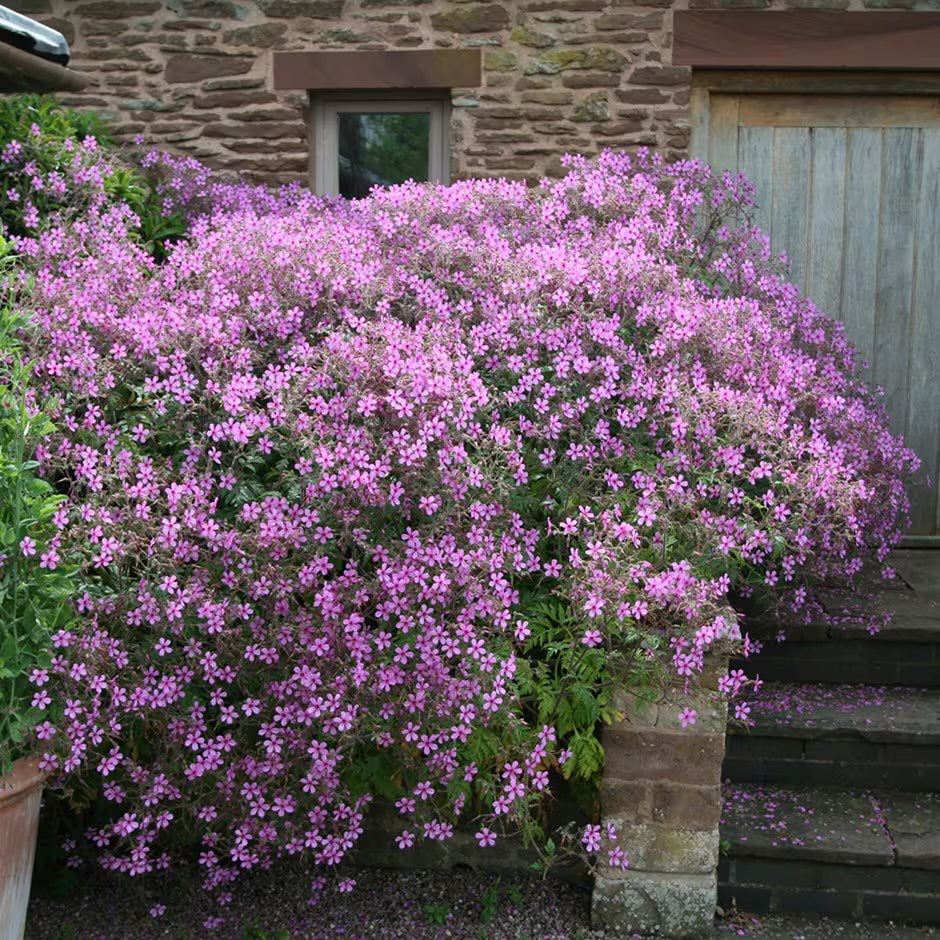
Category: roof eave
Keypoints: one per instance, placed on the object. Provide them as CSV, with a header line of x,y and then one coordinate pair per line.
x,y
20,71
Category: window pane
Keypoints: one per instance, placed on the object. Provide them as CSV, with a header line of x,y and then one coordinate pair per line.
x,y
381,149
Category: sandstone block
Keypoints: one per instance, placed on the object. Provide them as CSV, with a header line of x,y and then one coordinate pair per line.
x,y
660,74
598,58
548,96
224,9
657,755
617,21
232,99
267,114
476,18
231,84
729,4
642,801
573,6
593,108
186,67
662,847
262,36
590,80
316,9
654,904
266,131
530,37
117,9
641,96
498,60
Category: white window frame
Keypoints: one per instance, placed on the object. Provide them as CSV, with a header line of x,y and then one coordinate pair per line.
x,y
327,106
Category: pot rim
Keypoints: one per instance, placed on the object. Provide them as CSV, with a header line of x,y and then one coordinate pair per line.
x,y
21,781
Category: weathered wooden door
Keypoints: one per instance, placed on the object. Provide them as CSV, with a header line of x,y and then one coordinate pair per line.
x,y
848,185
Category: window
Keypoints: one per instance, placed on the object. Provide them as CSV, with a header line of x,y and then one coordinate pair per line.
x,y
361,140
378,117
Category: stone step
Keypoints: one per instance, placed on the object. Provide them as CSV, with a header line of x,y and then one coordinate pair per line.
x,y
849,853
839,735
904,651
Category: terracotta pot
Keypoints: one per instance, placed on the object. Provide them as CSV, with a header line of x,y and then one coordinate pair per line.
x,y
20,796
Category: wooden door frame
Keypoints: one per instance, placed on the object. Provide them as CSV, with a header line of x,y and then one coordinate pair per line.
x,y
707,82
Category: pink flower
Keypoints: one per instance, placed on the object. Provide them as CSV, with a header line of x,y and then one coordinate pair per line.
x,y
485,837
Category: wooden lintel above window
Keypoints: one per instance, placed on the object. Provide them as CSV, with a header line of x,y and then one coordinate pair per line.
x,y
415,68
807,39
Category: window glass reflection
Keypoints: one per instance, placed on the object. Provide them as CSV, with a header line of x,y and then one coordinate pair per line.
x,y
381,149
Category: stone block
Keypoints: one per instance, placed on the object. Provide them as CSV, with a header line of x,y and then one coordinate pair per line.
x,y
117,9
476,18
525,36
548,96
644,801
616,21
593,108
498,60
316,9
656,755
186,67
660,74
590,80
668,848
655,904
567,6
262,36
266,131
599,58
233,99
225,9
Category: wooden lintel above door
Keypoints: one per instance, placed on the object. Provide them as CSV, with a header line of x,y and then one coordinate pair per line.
x,y
806,39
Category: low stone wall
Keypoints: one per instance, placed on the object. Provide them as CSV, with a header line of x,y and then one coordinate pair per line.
x,y
662,787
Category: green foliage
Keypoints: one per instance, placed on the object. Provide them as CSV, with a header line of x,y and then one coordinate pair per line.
x,y
254,932
20,113
436,914
570,686
489,903
46,135
34,599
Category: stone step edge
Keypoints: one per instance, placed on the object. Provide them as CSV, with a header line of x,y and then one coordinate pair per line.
x,y
877,827
873,723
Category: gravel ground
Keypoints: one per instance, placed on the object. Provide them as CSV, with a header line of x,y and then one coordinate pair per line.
x,y
386,905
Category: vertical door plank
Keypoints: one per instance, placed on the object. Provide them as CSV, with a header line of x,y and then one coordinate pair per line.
x,y
860,248
699,109
789,212
900,169
723,133
826,218
756,162
923,423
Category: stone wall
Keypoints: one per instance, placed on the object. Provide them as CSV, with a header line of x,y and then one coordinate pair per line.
x,y
560,75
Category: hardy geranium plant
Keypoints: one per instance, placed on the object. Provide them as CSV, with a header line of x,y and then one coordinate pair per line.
x,y
381,497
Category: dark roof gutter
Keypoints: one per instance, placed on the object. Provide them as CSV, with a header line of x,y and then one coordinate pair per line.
x,y
22,71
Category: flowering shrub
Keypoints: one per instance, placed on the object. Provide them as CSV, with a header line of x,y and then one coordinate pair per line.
x,y
380,498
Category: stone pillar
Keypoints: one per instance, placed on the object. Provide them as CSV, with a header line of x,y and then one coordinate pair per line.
x,y
662,786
